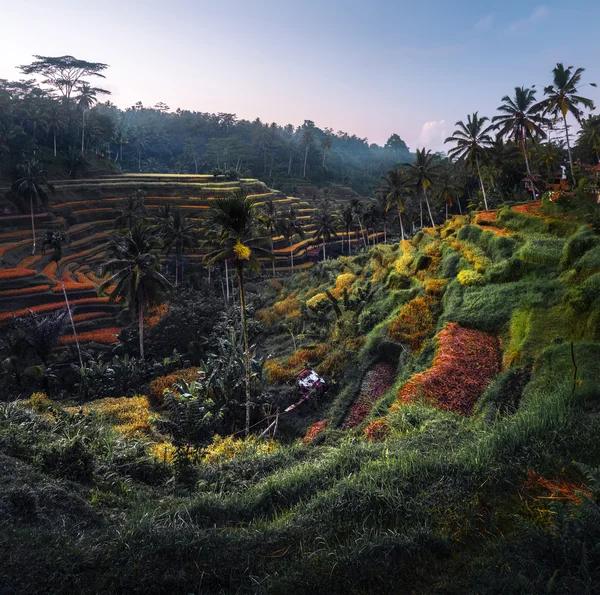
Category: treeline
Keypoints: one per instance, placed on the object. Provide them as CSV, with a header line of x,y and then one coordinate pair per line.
x,y
59,114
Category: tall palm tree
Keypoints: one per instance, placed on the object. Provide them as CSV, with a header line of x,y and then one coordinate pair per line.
x,y
308,139
422,173
382,209
346,217
393,188
269,215
519,121
325,225
31,185
132,210
85,100
120,139
36,115
357,207
447,190
562,99
56,240
471,139
57,123
234,223
181,237
589,135
134,267
290,227
326,144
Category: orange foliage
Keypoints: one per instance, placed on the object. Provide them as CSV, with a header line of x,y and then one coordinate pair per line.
x,y
89,316
276,373
49,307
560,489
31,260
25,290
289,307
155,315
158,385
377,430
465,363
317,428
50,270
17,273
72,286
530,208
414,323
105,335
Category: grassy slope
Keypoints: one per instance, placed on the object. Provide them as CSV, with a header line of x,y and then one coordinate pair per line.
x,y
446,503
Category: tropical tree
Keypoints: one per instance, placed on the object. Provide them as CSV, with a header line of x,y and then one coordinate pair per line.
x,y
393,188
181,236
589,135
120,139
326,144
357,207
36,115
308,139
56,240
562,99
57,123
346,217
421,174
471,139
291,226
132,210
86,100
134,269
234,222
325,225
519,121
31,185
447,190
269,217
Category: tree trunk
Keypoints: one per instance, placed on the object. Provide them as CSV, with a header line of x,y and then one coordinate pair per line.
x,y
227,279
362,233
459,206
82,131
72,322
305,160
385,232
446,210
324,155
481,182
569,149
290,164
421,210
292,252
349,243
55,144
240,275
140,159
32,224
141,328
524,148
176,269
428,207
273,261
324,255
401,224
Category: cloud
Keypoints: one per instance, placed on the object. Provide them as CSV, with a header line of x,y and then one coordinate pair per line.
x,y
485,23
540,13
433,134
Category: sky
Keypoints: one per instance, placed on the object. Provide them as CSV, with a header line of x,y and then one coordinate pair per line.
x,y
370,68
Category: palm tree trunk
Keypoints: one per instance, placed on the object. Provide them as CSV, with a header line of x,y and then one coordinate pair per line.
x,y
141,328
349,243
82,130
524,148
32,223
292,252
324,255
227,279
324,154
290,164
55,144
385,233
569,148
446,210
305,160
273,261
240,275
481,182
72,323
459,206
428,207
401,224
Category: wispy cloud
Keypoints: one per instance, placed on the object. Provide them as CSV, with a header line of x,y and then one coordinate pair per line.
x,y
485,23
540,13
433,134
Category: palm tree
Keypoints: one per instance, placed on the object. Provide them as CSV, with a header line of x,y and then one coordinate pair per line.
x,y
132,210
289,227
181,237
422,173
382,209
325,226
326,145
346,218
31,185
57,123
519,121
308,139
291,147
562,99
120,139
56,240
269,216
589,135
134,267
392,188
36,115
357,207
447,189
471,139
234,222
139,136
85,100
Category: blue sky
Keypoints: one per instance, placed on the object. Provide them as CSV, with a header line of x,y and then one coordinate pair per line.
x,y
369,68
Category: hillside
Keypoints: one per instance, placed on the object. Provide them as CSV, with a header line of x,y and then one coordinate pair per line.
x,y
454,451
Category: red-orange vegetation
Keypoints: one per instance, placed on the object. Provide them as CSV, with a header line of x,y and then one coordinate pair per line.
x,y
377,431
30,261
414,323
530,208
156,314
72,286
317,428
158,385
89,316
560,488
465,363
25,290
43,308
17,273
105,335
50,270
486,217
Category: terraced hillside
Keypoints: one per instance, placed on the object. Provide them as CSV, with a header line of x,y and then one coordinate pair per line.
x,y
87,209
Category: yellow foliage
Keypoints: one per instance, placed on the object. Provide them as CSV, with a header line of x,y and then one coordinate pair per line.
x,y
289,307
266,316
40,402
405,261
468,277
314,301
162,451
414,323
435,286
158,385
276,373
343,281
241,252
471,253
226,449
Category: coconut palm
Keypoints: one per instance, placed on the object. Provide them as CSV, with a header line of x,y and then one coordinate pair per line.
x,y
120,139
85,100
382,208
562,99
134,269
57,123
233,223
421,174
471,139
308,139
589,136
132,210
181,237
36,115
346,218
269,216
31,185
520,122
290,226
393,188
447,189
56,240
357,207
325,225
326,145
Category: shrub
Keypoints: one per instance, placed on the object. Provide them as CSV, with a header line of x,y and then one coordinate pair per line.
x,y
16,273
377,431
577,245
414,323
465,363
435,286
468,277
226,449
288,307
158,385
317,428
471,253
403,264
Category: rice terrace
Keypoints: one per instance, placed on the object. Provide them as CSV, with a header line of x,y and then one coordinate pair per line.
x,y
239,356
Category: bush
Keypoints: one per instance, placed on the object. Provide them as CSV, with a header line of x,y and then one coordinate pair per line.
x,y
158,385
577,245
468,277
377,430
414,323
